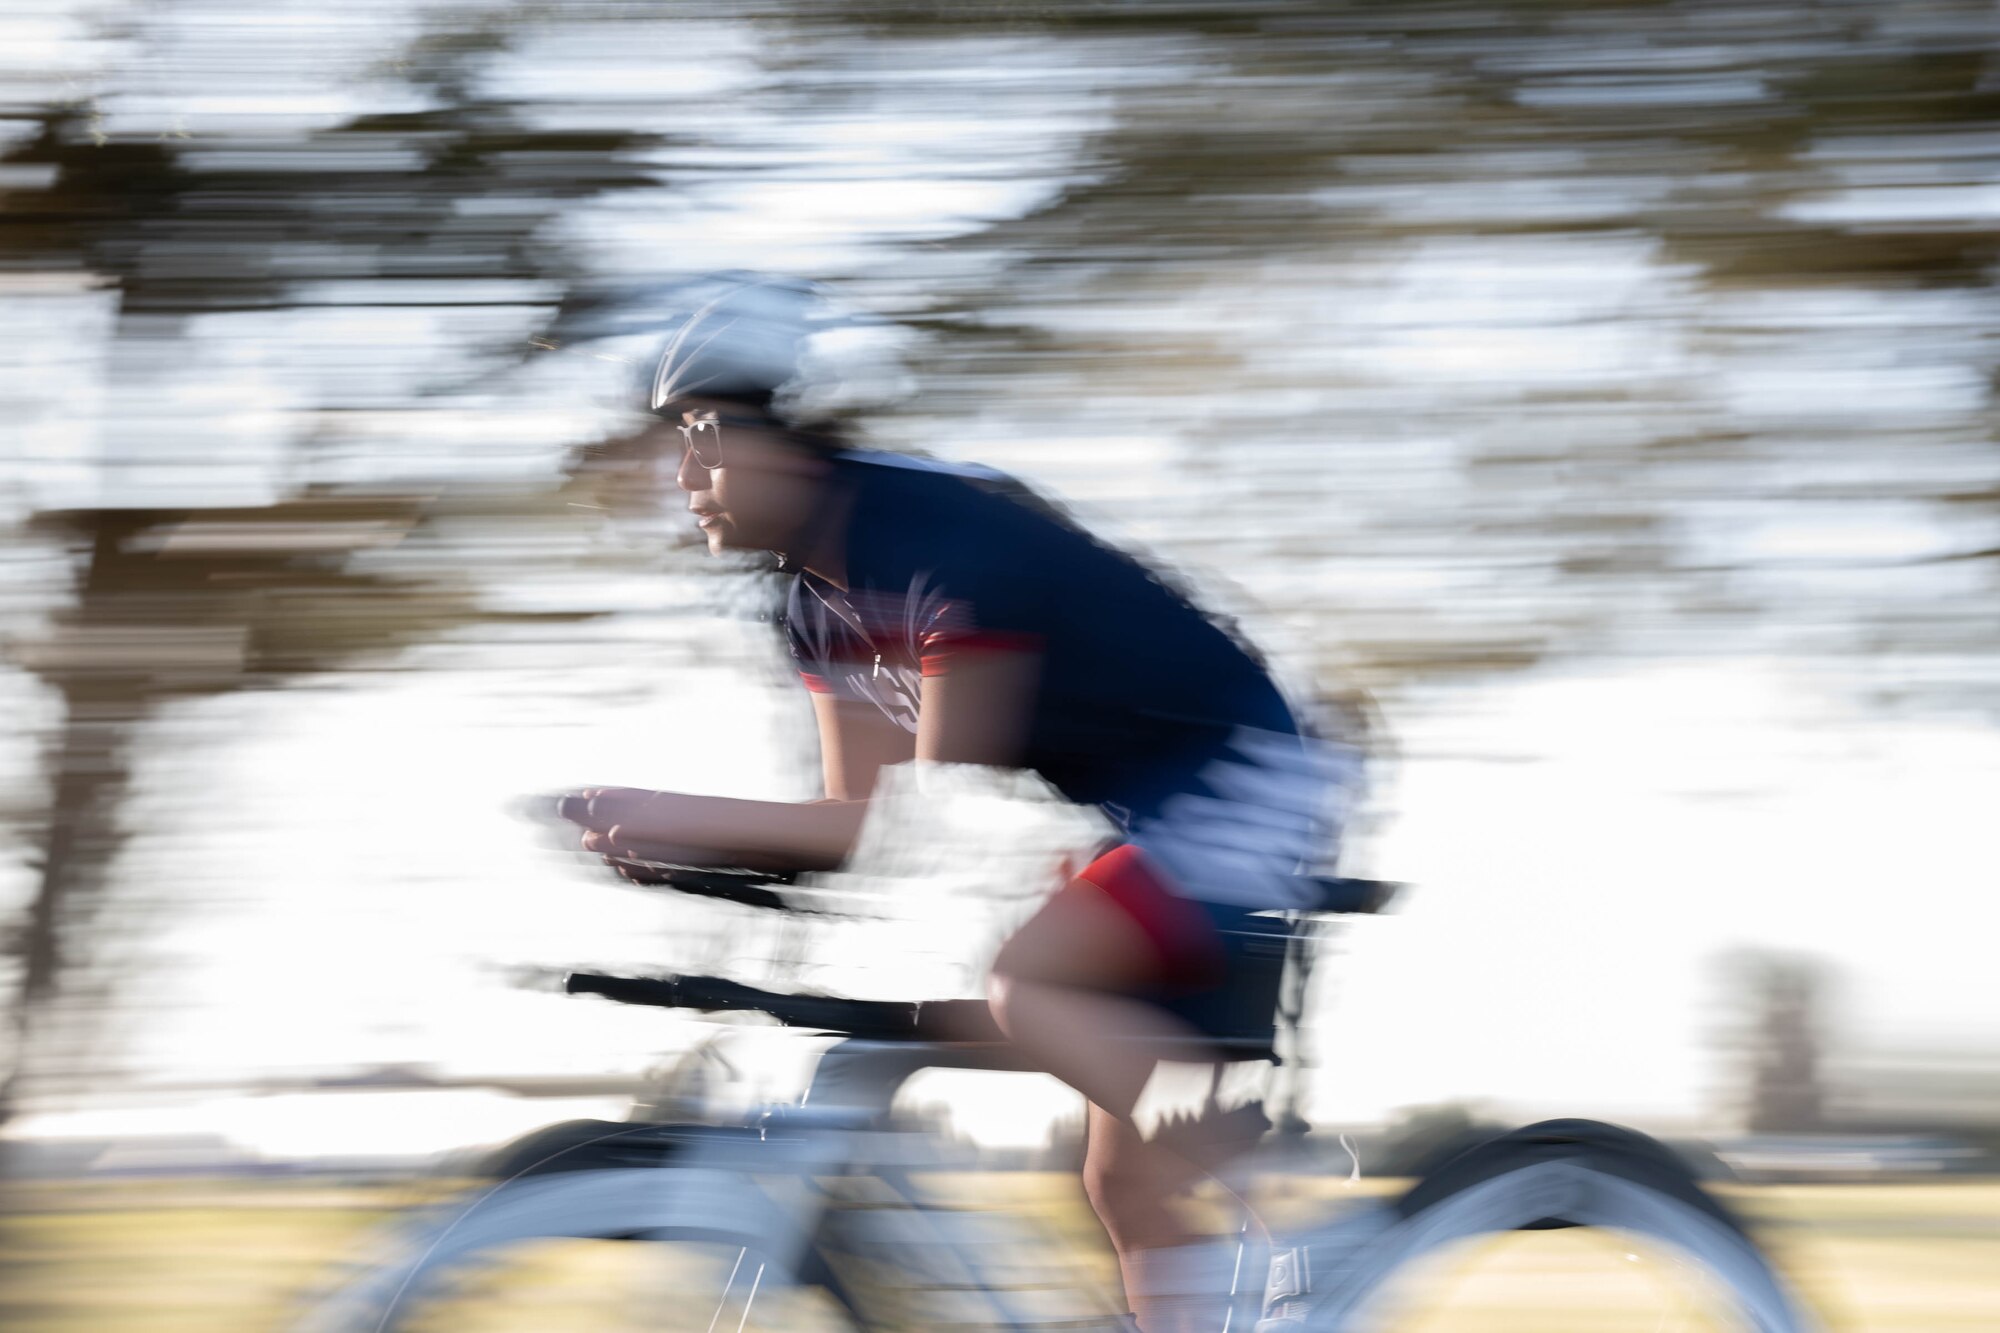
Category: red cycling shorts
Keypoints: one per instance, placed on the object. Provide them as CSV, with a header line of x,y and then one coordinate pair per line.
x,y
1187,943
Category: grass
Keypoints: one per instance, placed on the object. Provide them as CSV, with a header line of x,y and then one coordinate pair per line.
x,y
234,1256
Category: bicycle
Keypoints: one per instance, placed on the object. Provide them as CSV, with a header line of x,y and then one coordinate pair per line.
x,y
754,1198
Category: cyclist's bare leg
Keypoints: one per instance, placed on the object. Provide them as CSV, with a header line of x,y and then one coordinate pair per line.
x,y
1132,1185
1061,991
1058,991
1174,1282
1054,993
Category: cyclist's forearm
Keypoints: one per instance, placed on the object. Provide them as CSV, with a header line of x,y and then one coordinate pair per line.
x,y
816,835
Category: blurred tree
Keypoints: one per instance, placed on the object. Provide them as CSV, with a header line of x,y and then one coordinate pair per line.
x,y
1325,132
1782,1000
187,601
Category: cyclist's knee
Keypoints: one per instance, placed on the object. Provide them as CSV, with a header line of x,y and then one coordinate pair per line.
x,y
1001,995
1024,1005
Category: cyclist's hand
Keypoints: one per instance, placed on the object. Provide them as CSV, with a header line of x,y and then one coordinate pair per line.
x,y
602,808
599,811
636,871
630,857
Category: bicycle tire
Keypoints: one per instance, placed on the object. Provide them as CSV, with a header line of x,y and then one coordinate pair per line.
x,y
580,1180
707,1282
1559,1174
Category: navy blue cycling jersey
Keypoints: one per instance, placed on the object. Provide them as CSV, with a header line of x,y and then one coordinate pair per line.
x,y
1135,683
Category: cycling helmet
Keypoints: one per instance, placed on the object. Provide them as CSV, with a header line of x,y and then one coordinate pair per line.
x,y
739,336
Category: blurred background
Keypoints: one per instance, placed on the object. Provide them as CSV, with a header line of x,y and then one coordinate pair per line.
x,y
1597,396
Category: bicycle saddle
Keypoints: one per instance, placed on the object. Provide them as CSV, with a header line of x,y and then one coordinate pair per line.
x,y
1339,894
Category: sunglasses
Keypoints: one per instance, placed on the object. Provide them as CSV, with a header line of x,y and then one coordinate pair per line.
x,y
703,434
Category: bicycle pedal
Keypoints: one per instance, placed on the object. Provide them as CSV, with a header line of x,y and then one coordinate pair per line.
x,y
1291,1274
1286,1291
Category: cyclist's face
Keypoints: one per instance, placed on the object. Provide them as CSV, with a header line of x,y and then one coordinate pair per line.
x,y
748,488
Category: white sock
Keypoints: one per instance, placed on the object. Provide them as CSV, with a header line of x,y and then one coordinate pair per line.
x,y
1181,1288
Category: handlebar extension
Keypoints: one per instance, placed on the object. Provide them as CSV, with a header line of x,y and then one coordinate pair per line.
x,y
887,1020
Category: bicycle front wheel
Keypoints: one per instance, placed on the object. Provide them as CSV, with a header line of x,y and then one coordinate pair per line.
x,y
1562,1174
652,1249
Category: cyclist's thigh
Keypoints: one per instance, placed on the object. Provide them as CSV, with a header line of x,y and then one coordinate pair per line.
x,y
1120,928
1084,938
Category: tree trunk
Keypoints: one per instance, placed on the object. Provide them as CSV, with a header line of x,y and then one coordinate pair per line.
x,y
90,772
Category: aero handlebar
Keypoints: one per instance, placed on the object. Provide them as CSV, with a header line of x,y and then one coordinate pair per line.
x,y
1333,894
757,888
889,1020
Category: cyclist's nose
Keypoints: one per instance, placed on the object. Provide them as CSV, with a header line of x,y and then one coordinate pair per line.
x,y
691,475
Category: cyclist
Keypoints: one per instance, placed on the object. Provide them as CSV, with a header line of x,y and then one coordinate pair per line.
x,y
947,614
